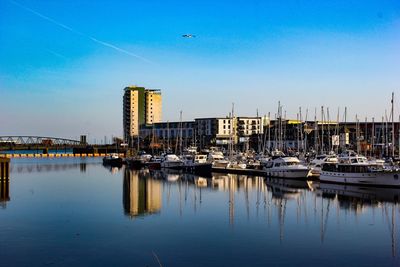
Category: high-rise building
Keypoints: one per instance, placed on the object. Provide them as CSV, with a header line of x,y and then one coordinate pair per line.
x,y
153,106
141,106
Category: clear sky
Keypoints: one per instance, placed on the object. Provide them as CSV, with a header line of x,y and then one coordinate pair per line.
x,y
64,63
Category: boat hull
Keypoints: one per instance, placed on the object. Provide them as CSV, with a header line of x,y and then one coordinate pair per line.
x,y
135,163
315,172
112,161
287,174
371,178
199,168
153,165
175,165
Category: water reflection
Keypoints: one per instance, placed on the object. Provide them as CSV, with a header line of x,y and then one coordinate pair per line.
x,y
276,199
141,193
112,169
56,166
245,218
358,200
4,192
357,197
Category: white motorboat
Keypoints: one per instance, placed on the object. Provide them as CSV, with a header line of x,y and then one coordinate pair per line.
x,y
197,164
217,159
286,167
358,170
316,164
172,161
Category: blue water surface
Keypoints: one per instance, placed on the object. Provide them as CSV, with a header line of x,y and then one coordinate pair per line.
x,y
77,212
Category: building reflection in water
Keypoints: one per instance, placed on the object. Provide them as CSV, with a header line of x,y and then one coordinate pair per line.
x,y
4,192
141,194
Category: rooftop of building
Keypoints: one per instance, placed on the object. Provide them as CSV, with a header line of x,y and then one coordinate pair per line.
x,y
133,87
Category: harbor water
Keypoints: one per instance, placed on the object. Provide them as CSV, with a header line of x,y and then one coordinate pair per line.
x,y
77,212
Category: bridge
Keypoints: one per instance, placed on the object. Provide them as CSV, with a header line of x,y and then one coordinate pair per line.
x,y
47,143
7,141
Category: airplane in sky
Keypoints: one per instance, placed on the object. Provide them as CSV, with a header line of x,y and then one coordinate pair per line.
x,y
188,36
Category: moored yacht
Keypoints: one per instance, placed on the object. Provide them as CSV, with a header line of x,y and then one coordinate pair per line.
x,y
138,161
154,163
286,167
317,163
113,160
217,159
197,164
172,161
358,170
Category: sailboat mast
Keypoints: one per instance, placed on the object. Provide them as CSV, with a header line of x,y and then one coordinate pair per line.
x,y
345,126
298,132
337,130
269,132
233,129
366,137
393,140
316,141
258,134
386,134
168,136
373,137
301,130
305,137
322,129
329,130
180,133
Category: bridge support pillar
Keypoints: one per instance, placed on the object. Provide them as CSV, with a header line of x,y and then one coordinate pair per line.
x,y
4,168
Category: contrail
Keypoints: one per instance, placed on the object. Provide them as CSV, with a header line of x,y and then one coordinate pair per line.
x,y
56,54
65,27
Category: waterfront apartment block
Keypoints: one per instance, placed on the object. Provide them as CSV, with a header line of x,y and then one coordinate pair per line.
x,y
369,138
141,107
153,106
203,132
167,135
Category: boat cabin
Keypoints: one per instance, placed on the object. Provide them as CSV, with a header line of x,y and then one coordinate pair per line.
x,y
282,162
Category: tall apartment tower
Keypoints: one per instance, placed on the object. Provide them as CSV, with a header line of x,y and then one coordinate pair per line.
x,y
153,106
141,106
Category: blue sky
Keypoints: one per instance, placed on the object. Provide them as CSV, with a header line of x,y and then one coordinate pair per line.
x,y
64,64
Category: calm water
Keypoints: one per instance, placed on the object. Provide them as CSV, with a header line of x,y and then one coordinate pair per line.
x,y
76,212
